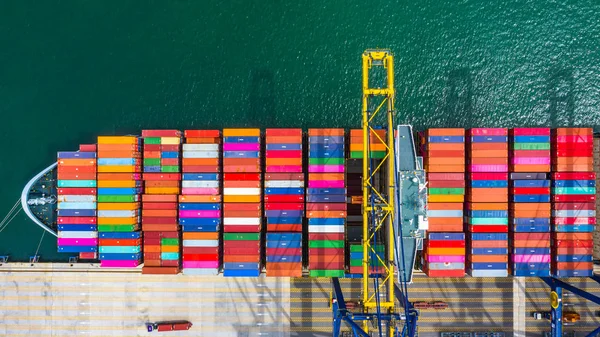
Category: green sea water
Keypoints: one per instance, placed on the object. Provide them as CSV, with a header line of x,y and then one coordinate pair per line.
x,y
72,70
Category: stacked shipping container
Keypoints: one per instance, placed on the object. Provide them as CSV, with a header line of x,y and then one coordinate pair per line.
x,y
573,208
284,202
200,202
530,202
596,234
487,207
444,160
326,202
162,243
119,187
76,214
242,205
354,167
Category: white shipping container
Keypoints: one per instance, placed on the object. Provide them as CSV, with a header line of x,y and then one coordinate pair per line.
x,y
325,229
284,183
77,198
200,147
200,183
77,234
200,243
242,221
117,214
241,191
200,154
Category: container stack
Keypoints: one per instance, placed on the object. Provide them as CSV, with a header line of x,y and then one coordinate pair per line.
x,y
119,188
573,207
242,205
354,167
326,202
162,242
596,235
487,205
76,214
284,202
530,202
444,159
200,202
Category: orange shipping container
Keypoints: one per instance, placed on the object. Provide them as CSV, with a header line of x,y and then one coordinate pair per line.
x,y
119,176
161,183
445,168
574,131
151,263
119,154
573,161
200,161
283,161
199,198
242,198
241,162
152,154
326,176
283,266
573,265
485,198
488,191
457,221
242,214
445,161
326,214
77,162
488,146
573,236
151,248
533,206
160,228
77,176
445,228
446,251
169,249
489,153
488,206
282,273
161,190
159,212
446,132
530,214
283,140
326,132
445,153
488,258
531,243
445,147
200,236
159,198
573,168
530,168
444,206
203,140
489,244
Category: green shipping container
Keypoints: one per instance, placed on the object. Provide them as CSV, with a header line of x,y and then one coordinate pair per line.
x,y
241,236
446,191
152,140
151,161
117,228
574,190
326,161
169,242
359,249
327,273
169,168
374,154
358,263
117,198
326,244
531,146
488,221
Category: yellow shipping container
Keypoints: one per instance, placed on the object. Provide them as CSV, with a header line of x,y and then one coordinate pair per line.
x,y
118,168
241,198
117,140
241,132
446,251
162,190
118,206
117,183
169,249
170,140
117,221
446,198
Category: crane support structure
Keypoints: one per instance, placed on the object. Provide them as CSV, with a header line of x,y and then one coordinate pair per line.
x,y
556,315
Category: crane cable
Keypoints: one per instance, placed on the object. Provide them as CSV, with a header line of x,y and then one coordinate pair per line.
x,y
10,215
40,243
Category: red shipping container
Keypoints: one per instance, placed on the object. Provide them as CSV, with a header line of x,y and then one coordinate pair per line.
x,y
241,244
242,214
152,241
161,176
283,154
200,169
574,221
159,220
573,197
325,265
152,148
151,263
573,265
169,263
241,206
326,236
161,133
445,243
76,191
241,258
578,152
326,252
573,244
77,169
445,176
76,176
119,242
241,250
284,198
270,206
160,205
530,190
159,227
242,176
169,161
589,206
284,228
245,184
573,236
284,176
445,273
488,229
531,153
284,251
282,132
241,229
575,139
200,257
76,220
87,148
574,176
326,207
151,256
202,133
159,198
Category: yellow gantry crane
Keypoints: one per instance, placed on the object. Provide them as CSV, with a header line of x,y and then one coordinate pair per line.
x,y
378,307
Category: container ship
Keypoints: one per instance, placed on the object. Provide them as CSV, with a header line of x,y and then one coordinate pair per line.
x,y
480,202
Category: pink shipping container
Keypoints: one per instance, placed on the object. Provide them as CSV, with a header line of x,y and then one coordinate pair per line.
x,y
531,258
283,168
199,214
119,263
200,264
531,160
240,147
77,242
199,191
445,258
326,184
488,132
326,168
488,168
